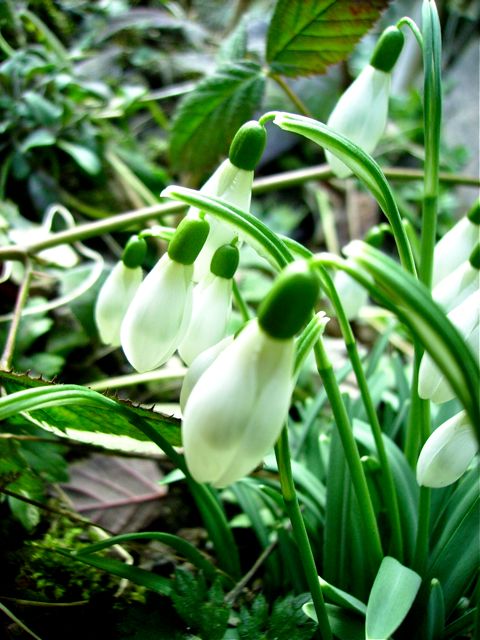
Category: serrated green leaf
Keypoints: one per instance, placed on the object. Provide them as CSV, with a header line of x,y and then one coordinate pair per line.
x,y
93,417
307,36
210,115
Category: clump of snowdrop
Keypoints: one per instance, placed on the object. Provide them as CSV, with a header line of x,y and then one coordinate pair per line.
x,y
361,112
158,315
236,409
118,291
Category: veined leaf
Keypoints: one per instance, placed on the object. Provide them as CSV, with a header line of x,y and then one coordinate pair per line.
x,y
307,36
210,115
97,416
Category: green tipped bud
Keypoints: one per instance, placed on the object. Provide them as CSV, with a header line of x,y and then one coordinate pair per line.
x,y
188,240
248,145
474,214
225,261
474,258
134,252
376,235
289,303
387,50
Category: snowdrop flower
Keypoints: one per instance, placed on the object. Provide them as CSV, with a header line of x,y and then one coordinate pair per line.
x,y
158,316
212,303
458,285
352,295
466,317
447,453
118,291
236,410
361,112
456,245
232,182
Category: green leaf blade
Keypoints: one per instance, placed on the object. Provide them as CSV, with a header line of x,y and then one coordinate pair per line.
x,y
306,37
210,115
392,595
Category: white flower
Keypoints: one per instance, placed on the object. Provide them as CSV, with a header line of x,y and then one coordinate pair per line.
x,y
456,286
361,114
158,315
454,247
198,368
447,453
234,186
113,300
352,295
235,412
212,302
466,317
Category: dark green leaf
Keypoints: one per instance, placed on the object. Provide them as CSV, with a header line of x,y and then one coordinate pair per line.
x,y
210,115
44,112
307,36
84,157
94,418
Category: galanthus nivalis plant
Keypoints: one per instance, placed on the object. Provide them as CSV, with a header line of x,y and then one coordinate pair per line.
x,y
118,291
236,410
361,113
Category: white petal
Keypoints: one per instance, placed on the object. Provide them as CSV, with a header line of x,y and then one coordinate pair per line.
x,y
447,453
237,408
198,368
352,295
113,300
457,286
157,317
466,317
212,301
454,247
361,114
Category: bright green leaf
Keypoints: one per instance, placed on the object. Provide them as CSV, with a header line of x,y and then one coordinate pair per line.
x,y
306,37
38,138
210,115
84,157
392,595
345,624
96,417
342,598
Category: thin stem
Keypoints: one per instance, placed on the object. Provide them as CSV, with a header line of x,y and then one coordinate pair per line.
x,y
18,622
390,494
266,184
371,531
240,302
22,296
291,94
408,22
282,453
137,378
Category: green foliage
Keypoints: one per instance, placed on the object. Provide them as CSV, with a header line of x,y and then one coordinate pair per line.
x,y
285,621
307,37
201,607
209,117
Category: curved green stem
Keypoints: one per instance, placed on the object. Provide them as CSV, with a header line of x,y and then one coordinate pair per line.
x,y
408,22
22,296
291,94
352,456
282,453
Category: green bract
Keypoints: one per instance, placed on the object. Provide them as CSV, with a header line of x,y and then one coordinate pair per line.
x,y
134,252
188,240
248,145
387,50
225,261
290,301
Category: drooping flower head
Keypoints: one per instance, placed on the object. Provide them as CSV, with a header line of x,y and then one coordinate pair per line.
x,y
158,316
118,291
447,453
235,412
212,303
361,112
232,182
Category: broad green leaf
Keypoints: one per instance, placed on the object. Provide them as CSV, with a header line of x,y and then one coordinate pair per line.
x,y
342,598
44,112
84,157
38,138
210,115
345,624
392,595
307,36
99,415
436,611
